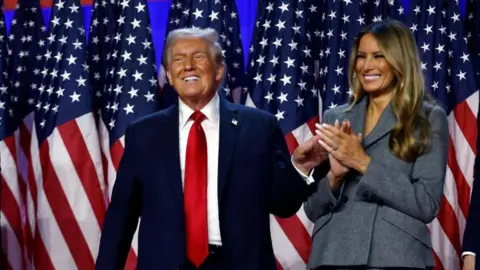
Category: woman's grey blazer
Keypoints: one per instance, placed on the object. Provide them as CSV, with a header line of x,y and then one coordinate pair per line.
x,y
379,219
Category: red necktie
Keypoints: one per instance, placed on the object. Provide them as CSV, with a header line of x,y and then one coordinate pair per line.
x,y
195,192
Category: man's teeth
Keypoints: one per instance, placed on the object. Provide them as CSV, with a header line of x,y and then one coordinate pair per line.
x,y
191,78
371,77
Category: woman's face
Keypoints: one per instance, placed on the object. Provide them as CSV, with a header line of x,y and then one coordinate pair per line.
x,y
372,69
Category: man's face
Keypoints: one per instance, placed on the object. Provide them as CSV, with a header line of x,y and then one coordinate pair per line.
x,y
192,70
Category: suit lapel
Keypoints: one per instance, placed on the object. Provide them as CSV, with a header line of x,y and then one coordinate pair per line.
x,y
230,123
385,124
356,115
171,156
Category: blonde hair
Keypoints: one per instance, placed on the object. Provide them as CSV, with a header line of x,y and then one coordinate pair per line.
x,y
400,50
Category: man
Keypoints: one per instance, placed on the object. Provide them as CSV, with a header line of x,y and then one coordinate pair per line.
x,y
203,175
471,237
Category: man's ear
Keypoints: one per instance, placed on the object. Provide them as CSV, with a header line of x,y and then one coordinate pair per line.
x,y
220,72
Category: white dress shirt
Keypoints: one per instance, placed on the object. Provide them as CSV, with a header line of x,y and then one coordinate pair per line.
x,y
211,127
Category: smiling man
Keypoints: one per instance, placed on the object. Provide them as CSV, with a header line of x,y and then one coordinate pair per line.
x,y
203,175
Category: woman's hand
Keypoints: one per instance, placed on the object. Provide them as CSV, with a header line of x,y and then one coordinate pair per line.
x,y
344,147
337,170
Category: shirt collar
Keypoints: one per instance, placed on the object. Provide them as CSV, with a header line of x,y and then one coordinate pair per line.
x,y
211,111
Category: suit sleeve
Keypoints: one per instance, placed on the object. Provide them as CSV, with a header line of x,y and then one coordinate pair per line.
x,y
417,195
288,190
123,212
471,237
323,200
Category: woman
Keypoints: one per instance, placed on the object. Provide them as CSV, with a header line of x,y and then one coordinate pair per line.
x,y
384,186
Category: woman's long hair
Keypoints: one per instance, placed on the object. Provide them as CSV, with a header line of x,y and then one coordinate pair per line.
x,y
410,138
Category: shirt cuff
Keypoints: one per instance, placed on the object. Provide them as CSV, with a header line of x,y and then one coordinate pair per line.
x,y
307,178
467,253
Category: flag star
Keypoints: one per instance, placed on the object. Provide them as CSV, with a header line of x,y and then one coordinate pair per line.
x,y
293,45
440,48
274,61
290,62
59,92
137,75
455,17
133,92
81,81
272,79
465,57
74,8
198,13
269,97
277,43
258,78
304,68
125,4
339,70
283,97
280,25
299,101
428,29
149,96
336,89
128,109
461,75
437,66
136,23
60,4
131,39
68,23
122,73
266,25
71,60
431,10
142,60
286,79
75,97
425,47
283,7
279,115
435,86
213,16
146,44
66,76
111,124
140,7
77,44
269,7
126,56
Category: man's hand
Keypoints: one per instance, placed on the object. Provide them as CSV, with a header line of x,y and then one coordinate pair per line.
x,y
469,262
311,154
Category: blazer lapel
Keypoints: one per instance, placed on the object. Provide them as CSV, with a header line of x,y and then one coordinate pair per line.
x,y
230,123
385,124
171,156
356,115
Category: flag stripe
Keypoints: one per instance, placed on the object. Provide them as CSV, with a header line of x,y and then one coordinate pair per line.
x,y
465,118
297,234
447,220
63,212
14,256
463,189
81,157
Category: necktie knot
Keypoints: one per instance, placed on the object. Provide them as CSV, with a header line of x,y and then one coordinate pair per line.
x,y
198,116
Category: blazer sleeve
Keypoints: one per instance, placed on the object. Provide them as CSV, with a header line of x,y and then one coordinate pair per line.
x,y
323,199
288,190
417,194
471,237
123,212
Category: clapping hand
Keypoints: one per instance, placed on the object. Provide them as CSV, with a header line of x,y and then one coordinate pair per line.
x,y
311,154
345,147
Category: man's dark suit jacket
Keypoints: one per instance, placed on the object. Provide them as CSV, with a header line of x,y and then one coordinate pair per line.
x,y
255,178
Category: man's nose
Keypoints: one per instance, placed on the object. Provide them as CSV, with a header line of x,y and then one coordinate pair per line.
x,y
188,64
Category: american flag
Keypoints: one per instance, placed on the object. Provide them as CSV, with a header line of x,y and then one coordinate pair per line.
x,y
340,22
447,66
100,45
281,81
378,10
130,88
11,187
26,31
66,158
221,15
